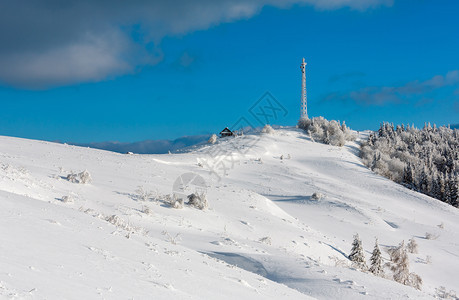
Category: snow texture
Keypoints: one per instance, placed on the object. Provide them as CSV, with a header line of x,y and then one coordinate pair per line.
x,y
261,237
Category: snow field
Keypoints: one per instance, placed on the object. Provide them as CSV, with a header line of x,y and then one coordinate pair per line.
x,y
263,236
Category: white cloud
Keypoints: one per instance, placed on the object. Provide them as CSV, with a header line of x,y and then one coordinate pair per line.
x,y
48,42
380,95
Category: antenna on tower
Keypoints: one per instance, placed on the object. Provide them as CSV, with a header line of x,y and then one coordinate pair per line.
x,y
304,96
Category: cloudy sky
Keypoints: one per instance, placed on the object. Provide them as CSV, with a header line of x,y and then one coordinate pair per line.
x,y
88,71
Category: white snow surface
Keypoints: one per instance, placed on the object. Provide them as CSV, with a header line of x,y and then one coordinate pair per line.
x,y
262,236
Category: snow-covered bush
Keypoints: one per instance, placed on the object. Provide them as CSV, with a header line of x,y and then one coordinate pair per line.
x,y
72,177
428,259
174,240
442,293
431,236
317,196
173,201
198,200
147,210
412,246
327,132
267,240
83,177
357,255
142,194
67,199
267,129
424,160
212,139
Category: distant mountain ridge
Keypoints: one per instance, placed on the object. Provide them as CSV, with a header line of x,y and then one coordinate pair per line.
x,y
148,146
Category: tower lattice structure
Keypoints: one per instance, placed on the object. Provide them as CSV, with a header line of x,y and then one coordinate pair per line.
x,y
304,95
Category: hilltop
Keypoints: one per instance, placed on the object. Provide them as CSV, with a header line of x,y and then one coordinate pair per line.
x,y
262,236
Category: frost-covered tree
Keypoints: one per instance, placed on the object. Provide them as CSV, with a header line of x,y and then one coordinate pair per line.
x,y
376,266
400,266
425,160
327,132
357,255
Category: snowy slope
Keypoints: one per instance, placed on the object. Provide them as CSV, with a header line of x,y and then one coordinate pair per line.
x,y
262,237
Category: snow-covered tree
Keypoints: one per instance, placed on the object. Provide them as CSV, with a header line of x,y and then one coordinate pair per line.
x,y
400,264
357,255
425,160
376,266
400,267
327,132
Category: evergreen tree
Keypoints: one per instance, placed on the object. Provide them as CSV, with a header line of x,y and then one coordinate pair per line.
x,y
454,190
424,182
442,186
376,261
447,194
435,190
408,175
357,256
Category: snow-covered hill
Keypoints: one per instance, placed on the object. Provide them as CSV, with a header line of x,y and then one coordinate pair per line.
x,y
262,237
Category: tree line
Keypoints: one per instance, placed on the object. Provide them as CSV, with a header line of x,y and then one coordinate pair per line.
x,y
425,160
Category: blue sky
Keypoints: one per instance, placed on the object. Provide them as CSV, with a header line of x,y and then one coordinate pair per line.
x,y
133,76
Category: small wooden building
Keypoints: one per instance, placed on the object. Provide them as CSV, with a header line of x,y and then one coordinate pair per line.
x,y
226,132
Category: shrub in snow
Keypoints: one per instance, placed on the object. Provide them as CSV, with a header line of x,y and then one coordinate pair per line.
x,y
266,240
376,266
72,177
177,203
115,220
428,259
142,194
212,139
412,246
442,293
172,239
317,196
198,200
431,236
357,256
83,177
147,210
327,132
67,199
173,201
267,129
